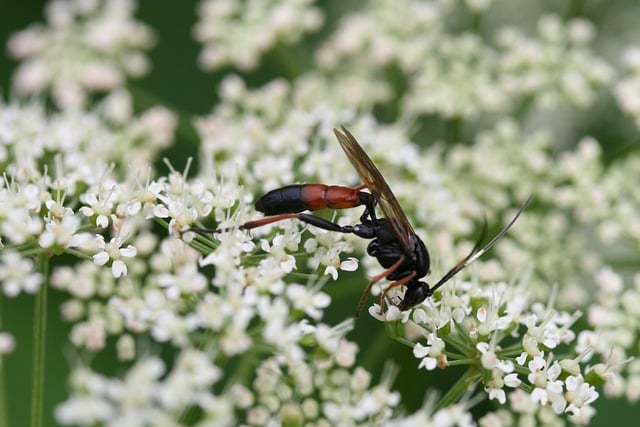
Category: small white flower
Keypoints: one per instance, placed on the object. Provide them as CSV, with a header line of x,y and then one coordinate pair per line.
x,y
307,300
61,233
99,203
349,264
578,394
431,354
182,217
7,344
277,249
490,360
186,281
113,251
544,379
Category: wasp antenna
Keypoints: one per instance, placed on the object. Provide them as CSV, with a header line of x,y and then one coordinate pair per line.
x,y
501,233
476,252
483,235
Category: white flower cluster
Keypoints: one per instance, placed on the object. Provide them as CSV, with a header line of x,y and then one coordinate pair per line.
x,y
463,75
575,195
511,345
557,66
627,89
238,317
238,32
147,394
615,318
61,180
87,46
155,287
250,311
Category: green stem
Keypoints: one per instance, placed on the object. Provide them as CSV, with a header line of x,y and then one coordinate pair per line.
x,y
39,345
459,342
4,408
515,352
78,254
515,348
458,362
404,341
470,378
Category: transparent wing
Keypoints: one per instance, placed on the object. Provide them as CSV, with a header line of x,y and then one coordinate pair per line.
x,y
375,182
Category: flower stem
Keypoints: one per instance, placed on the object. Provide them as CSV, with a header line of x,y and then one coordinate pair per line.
x,y
4,408
39,345
78,254
470,378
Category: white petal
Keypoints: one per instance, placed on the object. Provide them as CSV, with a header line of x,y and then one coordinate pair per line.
x,y
321,300
100,258
86,211
46,240
420,351
100,241
102,221
498,394
161,211
134,207
393,313
119,268
331,271
349,264
522,358
512,380
554,387
558,403
310,245
482,347
539,395
129,252
429,363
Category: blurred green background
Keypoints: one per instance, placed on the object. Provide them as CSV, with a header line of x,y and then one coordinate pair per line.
x,y
176,82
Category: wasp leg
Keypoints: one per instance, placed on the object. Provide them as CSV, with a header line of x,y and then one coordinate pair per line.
x,y
400,282
375,280
247,225
369,202
309,219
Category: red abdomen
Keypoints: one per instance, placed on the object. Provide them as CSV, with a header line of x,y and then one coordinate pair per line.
x,y
312,197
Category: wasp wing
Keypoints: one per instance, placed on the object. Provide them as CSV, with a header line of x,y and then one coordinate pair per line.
x,y
375,182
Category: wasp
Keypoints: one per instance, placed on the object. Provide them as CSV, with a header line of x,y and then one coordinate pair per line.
x,y
394,243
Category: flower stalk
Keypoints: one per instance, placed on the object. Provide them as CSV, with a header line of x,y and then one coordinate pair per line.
x,y
38,372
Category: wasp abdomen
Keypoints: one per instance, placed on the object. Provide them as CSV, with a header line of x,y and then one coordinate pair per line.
x,y
300,197
282,200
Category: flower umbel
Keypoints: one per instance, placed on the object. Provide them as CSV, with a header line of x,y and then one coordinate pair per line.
x,y
467,107
476,339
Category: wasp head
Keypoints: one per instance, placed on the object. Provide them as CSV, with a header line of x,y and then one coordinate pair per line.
x,y
416,293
